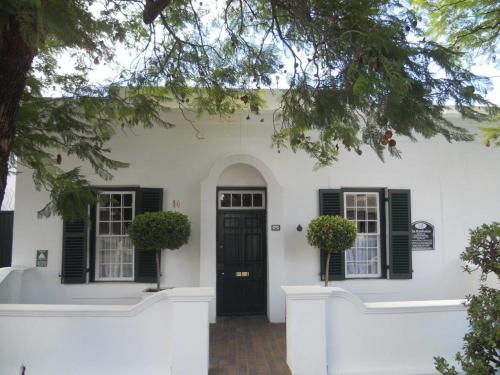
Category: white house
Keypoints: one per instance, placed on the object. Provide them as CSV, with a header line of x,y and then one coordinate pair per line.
x,y
250,205
74,290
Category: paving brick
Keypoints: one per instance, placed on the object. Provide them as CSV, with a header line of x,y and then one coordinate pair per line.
x,y
247,345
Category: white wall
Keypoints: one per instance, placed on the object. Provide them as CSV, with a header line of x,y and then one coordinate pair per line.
x,y
453,186
240,174
336,332
165,334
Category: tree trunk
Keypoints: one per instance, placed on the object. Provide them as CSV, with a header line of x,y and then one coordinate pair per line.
x,y
16,57
327,276
158,275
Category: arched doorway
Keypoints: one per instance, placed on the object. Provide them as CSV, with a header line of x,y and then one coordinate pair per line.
x,y
244,171
241,242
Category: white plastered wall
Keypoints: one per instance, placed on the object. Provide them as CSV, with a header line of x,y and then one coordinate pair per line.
x,y
453,186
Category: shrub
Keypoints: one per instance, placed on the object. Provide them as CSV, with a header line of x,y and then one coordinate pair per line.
x,y
483,252
481,354
331,234
154,231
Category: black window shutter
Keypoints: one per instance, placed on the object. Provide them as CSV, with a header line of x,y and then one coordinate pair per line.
x,y
400,266
147,200
331,203
74,252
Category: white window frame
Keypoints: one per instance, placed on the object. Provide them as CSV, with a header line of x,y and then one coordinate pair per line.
x,y
250,191
97,235
379,225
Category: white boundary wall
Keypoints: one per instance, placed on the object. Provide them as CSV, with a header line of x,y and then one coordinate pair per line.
x,y
331,331
164,334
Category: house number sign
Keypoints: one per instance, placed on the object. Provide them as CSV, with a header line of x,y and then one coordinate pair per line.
x,y
422,235
275,227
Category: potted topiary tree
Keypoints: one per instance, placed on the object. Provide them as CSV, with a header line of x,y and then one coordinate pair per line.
x,y
154,231
331,234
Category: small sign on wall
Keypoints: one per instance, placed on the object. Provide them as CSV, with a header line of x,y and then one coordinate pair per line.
x,y
422,235
275,227
42,258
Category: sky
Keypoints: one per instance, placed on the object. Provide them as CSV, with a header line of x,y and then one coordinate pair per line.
x,y
103,72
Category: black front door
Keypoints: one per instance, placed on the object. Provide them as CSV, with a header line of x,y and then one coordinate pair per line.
x,y
241,262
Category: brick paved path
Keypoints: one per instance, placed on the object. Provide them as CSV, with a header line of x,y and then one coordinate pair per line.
x,y
247,345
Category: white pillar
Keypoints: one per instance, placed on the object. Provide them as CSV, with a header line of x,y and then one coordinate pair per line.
x,y
306,329
190,330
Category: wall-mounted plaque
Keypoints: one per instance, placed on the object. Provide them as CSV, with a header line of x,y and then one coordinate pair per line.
x,y
275,227
422,235
42,258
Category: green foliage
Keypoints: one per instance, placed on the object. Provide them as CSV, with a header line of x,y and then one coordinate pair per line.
x,y
470,25
491,132
70,193
483,252
481,349
331,233
153,231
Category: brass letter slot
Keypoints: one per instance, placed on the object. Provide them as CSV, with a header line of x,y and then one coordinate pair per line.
x,y
242,274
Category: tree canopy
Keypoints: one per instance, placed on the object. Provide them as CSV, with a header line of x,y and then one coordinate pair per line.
x,y
351,72
469,25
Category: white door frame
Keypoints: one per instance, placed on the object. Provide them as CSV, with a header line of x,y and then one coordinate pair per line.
x,y
275,239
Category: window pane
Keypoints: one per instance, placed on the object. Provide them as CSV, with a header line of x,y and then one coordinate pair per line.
x,y
127,200
257,200
116,214
103,228
372,254
127,270
104,200
372,214
361,214
362,268
114,270
349,200
372,227
372,200
116,228
125,227
247,200
373,268
103,270
104,214
127,257
351,214
235,200
116,200
361,200
361,227
225,200
127,214
371,241
351,269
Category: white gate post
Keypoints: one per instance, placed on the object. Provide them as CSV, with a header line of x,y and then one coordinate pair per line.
x,y
190,330
306,329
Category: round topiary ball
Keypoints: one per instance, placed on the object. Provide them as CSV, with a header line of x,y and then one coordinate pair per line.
x,y
331,233
160,230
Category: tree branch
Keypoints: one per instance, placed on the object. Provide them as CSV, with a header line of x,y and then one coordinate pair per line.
x,y
152,10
